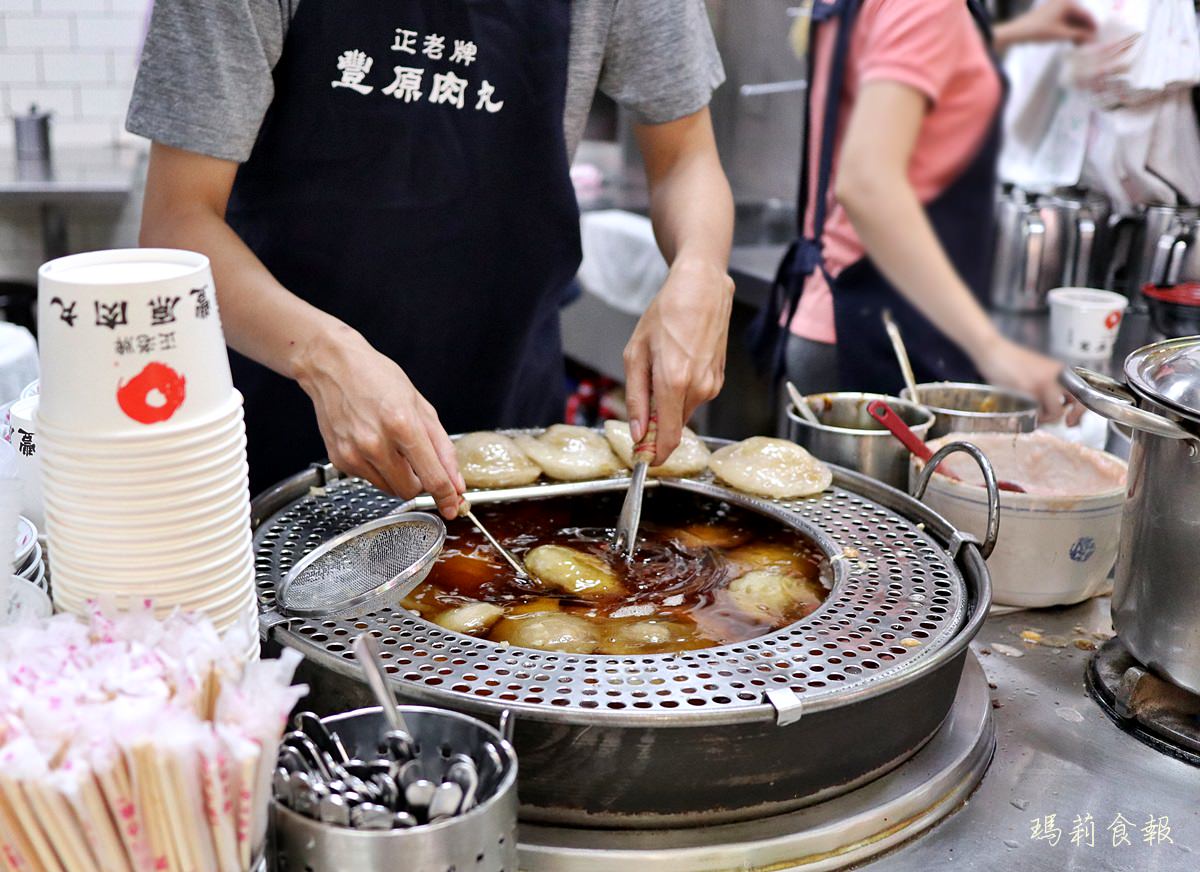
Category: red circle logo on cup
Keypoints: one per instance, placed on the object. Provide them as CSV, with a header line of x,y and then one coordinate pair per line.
x,y
1113,319
153,395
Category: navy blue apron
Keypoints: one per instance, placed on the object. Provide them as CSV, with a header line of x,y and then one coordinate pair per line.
x,y
962,218
411,179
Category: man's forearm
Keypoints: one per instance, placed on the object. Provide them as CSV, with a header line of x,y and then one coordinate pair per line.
x,y
691,207
261,318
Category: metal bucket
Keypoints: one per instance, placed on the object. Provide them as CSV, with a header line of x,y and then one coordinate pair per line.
x,y
484,839
962,407
850,437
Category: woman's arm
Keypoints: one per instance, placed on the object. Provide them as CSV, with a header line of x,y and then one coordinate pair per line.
x,y
677,351
374,422
873,186
1051,21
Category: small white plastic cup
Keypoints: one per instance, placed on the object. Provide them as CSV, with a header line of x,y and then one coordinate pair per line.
x,y
130,341
1084,322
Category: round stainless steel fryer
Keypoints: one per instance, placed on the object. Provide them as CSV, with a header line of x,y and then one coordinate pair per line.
x,y
727,733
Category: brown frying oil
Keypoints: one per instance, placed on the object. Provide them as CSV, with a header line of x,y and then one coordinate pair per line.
x,y
689,550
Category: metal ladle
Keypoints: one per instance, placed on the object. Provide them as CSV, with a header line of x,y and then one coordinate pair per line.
x,y
893,332
367,654
803,409
625,534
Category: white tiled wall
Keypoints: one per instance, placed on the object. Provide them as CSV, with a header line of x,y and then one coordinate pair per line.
x,y
76,58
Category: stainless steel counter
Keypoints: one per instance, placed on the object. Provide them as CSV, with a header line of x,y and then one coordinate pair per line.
x,y
73,176
1059,754
753,269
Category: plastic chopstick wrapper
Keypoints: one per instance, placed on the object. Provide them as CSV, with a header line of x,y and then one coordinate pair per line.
x,y
134,744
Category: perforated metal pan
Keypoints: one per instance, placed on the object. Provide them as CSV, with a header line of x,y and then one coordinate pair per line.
x,y
726,733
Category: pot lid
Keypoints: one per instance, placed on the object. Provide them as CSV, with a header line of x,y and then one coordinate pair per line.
x,y
1168,372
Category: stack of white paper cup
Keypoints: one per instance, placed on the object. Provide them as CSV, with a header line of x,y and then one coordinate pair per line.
x,y
141,437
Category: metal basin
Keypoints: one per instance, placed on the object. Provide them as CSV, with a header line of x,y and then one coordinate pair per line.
x,y
850,437
960,407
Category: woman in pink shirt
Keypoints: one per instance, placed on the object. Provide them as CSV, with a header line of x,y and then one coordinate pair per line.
x,y
897,191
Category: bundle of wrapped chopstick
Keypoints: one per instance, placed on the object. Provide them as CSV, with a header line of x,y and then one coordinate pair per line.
x,y
130,743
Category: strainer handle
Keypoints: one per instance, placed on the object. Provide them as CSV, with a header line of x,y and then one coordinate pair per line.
x,y
993,493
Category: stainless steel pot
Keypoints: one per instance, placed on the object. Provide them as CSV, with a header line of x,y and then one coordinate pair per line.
x,y
1156,592
850,437
961,407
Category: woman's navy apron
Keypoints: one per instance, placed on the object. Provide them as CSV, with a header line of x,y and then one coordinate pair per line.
x,y
962,218
411,179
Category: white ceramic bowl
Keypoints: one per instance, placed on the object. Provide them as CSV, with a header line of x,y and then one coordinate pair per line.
x,y
130,340
1051,550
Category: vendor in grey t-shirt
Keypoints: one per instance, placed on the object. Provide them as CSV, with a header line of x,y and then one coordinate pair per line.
x,y
383,191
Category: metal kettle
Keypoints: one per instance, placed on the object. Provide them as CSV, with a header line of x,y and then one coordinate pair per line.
x,y
1148,248
1045,241
1017,264
1176,253
1074,224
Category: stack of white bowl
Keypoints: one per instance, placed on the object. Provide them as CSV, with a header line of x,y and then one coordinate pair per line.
x,y
22,435
27,557
142,439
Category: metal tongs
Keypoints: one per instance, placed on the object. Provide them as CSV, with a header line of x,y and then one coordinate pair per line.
x,y
625,536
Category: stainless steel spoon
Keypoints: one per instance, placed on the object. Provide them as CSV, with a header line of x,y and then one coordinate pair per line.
x,y
445,802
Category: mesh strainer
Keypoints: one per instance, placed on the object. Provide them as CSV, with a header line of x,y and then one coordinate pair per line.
x,y
373,565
